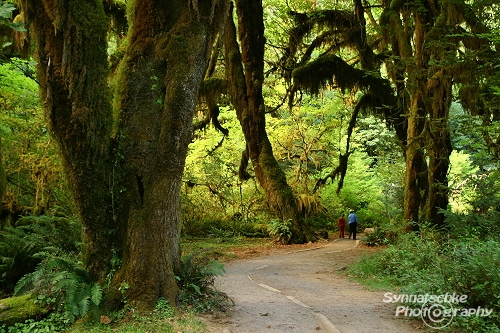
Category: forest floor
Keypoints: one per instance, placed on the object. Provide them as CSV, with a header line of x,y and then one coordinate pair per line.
x,y
301,288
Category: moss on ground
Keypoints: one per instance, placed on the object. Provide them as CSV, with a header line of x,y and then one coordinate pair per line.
x,y
18,309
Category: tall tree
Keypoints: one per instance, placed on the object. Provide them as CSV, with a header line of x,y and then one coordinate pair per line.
x,y
245,72
404,66
124,149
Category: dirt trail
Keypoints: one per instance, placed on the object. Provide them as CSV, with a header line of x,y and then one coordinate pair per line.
x,y
301,291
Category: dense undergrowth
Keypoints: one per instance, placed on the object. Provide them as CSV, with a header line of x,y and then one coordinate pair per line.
x,y
463,259
40,257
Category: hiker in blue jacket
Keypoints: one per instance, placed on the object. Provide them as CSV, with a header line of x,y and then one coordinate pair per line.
x,y
353,224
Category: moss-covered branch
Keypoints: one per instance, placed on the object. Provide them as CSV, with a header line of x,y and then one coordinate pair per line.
x,y
18,309
330,70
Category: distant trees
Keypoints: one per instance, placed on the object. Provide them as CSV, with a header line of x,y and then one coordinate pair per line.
x,y
245,75
405,61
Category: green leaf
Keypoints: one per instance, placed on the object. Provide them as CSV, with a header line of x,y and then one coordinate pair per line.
x,y
19,26
6,10
196,288
96,294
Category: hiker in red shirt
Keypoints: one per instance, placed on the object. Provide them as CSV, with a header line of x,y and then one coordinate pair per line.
x,y
341,226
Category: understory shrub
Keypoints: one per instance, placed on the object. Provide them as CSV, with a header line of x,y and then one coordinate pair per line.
x,y
196,279
431,263
385,233
31,234
473,225
376,238
400,260
61,283
281,230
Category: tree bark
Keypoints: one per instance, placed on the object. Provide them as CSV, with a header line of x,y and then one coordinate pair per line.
x,y
158,91
73,73
245,71
127,189
439,90
430,86
3,181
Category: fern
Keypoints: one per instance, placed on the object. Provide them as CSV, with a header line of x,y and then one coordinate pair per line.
x,y
60,279
196,278
281,230
20,245
96,293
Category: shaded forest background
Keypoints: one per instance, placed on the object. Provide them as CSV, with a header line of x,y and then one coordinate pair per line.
x,y
359,116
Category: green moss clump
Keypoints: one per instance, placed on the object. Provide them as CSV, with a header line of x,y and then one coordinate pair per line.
x,y
18,309
3,181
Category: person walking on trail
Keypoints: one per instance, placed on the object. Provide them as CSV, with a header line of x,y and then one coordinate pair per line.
x,y
353,224
341,226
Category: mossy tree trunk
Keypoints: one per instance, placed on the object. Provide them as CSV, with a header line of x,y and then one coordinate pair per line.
x,y
245,71
3,181
125,165
168,51
72,68
429,88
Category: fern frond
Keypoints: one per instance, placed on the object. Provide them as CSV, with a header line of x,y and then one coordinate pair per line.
x,y
24,285
83,307
214,268
96,294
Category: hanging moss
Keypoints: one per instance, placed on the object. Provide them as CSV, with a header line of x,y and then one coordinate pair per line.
x,y
397,4
213,87
339,20
330,70
470,98
116,11
322,72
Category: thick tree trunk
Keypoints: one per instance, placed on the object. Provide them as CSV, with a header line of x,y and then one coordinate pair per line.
x,y
3,181
72,70
129,204
439,145
415,163
163,67
245,71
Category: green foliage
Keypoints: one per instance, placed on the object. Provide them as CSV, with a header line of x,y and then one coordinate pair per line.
x,y
196,280
373,192
55,322
6,10
164,309
471,268
214,196
304,140
376,238
387,232
61,282
431,263
220,233
483,226
409,255
281,230
32,234
34,173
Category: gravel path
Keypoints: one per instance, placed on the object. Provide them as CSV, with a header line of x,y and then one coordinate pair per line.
x,y
301,291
